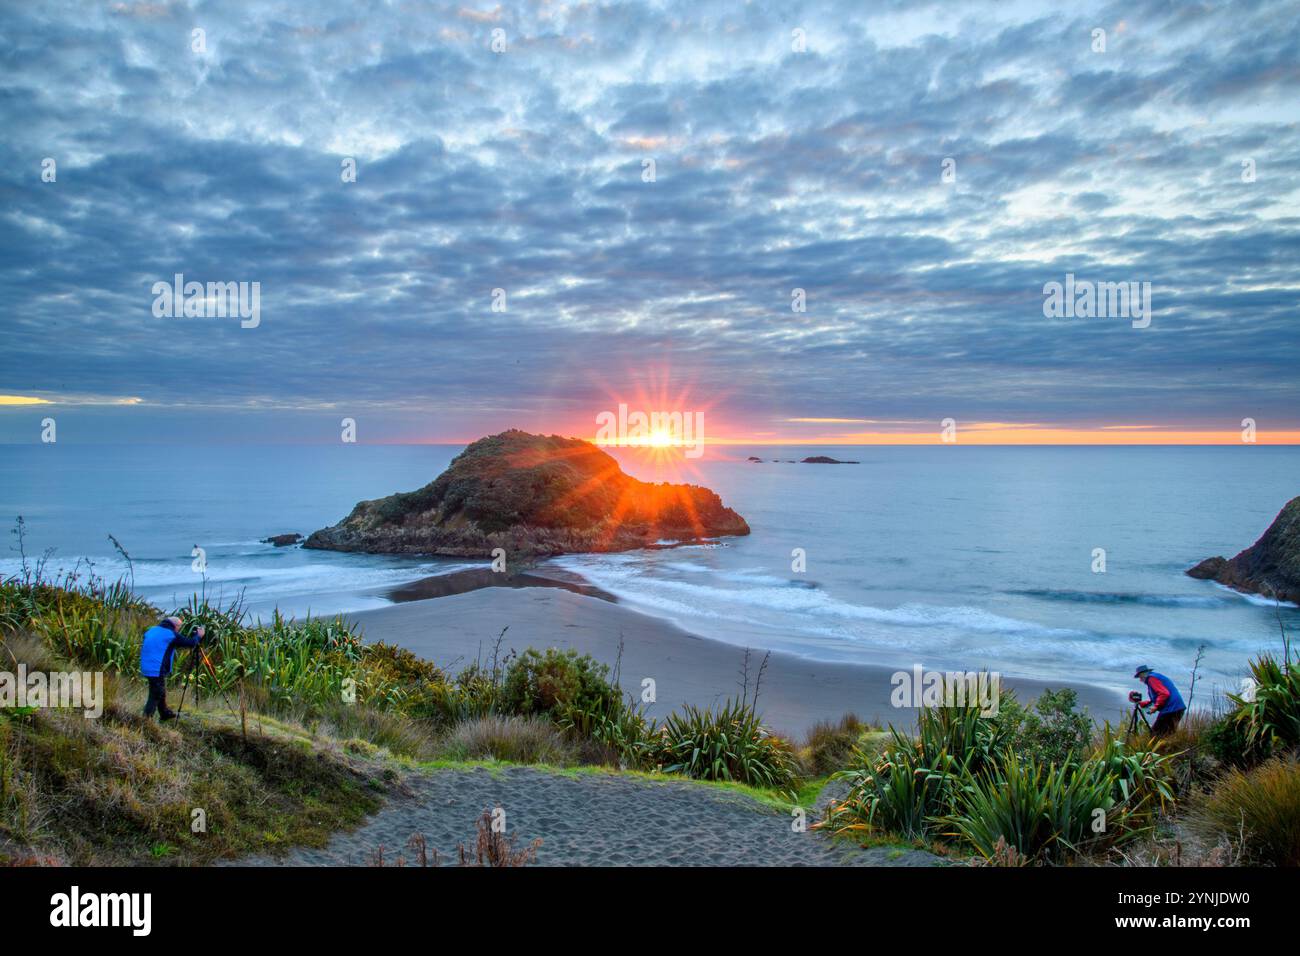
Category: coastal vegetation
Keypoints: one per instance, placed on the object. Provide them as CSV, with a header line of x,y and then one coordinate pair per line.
x,y
1044,785
296,728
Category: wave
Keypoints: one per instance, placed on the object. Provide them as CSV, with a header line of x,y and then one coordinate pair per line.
x,y
1257,599
1122,597
796,605
261,577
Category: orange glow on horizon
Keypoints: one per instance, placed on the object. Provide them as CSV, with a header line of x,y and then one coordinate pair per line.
x,y
991,433
997,433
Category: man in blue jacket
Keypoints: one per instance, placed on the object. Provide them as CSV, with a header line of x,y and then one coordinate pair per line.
x,y
1165,701
160,643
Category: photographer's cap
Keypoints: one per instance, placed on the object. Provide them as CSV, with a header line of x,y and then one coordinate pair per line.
x,y
1144,669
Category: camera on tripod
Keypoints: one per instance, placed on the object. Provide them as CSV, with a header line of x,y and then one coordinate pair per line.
x,y
1135,698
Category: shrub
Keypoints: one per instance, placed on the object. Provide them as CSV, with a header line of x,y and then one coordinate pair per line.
x,y
1143,779
1227,742
1262,806
628,734
1042,812
402,665
831,746
913,781
289,665
474,693
729,743
1049,732
539,682
493,848
897,794
986,782
1270,718
513,739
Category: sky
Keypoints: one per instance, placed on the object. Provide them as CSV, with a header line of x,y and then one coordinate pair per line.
x,y
560,207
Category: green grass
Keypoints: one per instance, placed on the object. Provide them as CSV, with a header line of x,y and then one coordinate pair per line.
x,y
122,790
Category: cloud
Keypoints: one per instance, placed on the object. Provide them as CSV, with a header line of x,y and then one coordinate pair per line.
x,y
775,170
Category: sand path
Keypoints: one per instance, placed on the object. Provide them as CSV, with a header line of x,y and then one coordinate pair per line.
x,y
592,819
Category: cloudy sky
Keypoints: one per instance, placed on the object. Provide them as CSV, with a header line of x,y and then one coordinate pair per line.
x,y
794,146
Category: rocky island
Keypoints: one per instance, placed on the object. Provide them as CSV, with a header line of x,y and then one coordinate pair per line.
x,y
1271,566
531,494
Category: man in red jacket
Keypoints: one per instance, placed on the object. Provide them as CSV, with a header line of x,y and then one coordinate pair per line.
x,y
1165,701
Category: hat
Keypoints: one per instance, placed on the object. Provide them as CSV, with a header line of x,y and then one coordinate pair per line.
x,y
1144,669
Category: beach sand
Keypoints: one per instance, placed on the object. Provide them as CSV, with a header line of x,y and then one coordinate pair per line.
x,y
796,693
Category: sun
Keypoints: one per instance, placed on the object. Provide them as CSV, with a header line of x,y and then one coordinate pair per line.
x,y
661,438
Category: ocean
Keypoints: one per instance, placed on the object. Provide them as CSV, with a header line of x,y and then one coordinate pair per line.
x,y
949,556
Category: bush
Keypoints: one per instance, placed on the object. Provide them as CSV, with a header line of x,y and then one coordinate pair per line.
x,y
831,746
538,683
985,782
513,739
1049,732
1262,807
1043,812
627,734
476,692
1227,742
1269,719
913,781
402,665
727,744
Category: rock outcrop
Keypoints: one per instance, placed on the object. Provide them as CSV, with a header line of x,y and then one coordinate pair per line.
x,y
283,540
531,494
1270,566
827,460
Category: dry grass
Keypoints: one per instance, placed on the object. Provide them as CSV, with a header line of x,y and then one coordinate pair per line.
x,y
491,848
830,744
1262,805
513,739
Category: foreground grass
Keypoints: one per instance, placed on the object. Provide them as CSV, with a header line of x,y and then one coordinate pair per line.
x,y
124,790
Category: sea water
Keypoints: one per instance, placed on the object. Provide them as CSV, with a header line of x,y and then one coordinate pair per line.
x,y
947,556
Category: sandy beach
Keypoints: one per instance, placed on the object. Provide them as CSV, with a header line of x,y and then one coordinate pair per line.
x,y
686,668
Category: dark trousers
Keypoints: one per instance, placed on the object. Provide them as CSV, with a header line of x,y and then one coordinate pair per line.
x,y
158,699
1166,724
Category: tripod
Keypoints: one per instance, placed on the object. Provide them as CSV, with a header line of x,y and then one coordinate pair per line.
x,y
197,656
1133,722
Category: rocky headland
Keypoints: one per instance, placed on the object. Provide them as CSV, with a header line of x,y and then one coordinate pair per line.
x,y
1270,566
533,495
